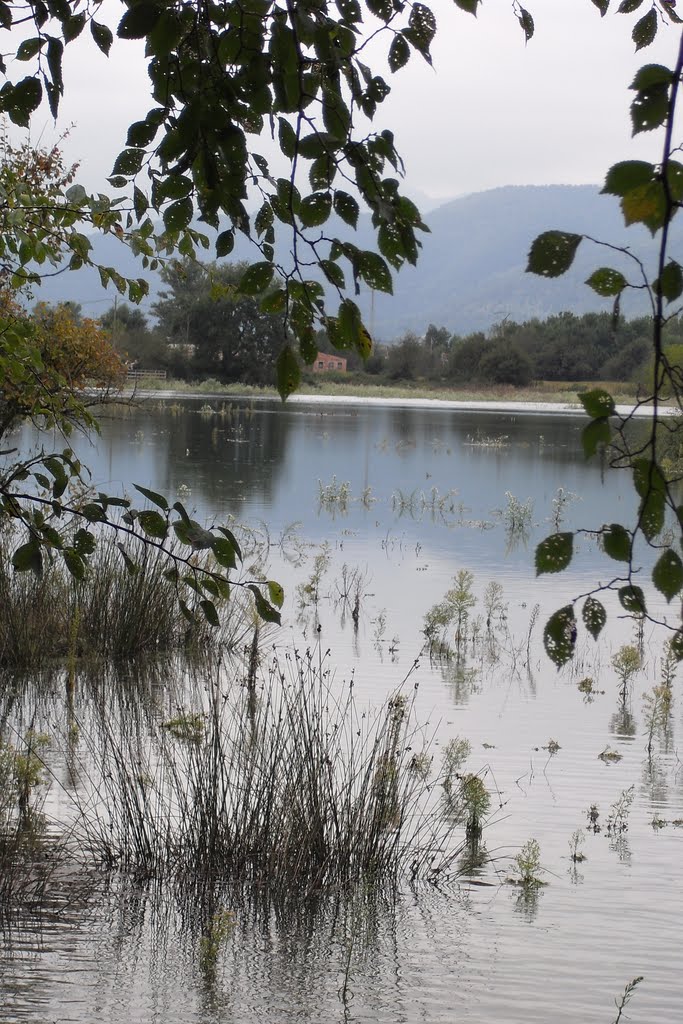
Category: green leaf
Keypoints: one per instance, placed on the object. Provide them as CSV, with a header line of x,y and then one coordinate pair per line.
x,y
178,215
471,5
131,567
559,635
667,574
24,98
264,609
193,534
399,53
28,558
256,278
225,243
554,553
676,645
102,35
650,109
606,282
74,563
333,272
632,600
139,21
421,29
628,6
187,612
315,209
601,5
210,614
274,302
153,523
651,514
648,477
527,23
652,74
224,553
287,138
627,175
182,512
646,205
73,26
552,253
232,538
594,616
598,433
671,282
276,593
346,207
29,48
597,403
645,30
84,542
288,374
128,162
157,499
616,542
375,272
93,513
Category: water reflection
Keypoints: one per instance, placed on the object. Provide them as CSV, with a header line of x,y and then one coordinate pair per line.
x,y
188,947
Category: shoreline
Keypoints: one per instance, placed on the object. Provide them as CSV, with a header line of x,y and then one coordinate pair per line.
x,y
453,405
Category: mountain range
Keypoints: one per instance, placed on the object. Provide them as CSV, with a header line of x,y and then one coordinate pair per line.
x,y
471,273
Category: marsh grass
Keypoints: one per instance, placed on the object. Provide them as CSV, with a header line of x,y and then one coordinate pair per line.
x,y
298,791
113,613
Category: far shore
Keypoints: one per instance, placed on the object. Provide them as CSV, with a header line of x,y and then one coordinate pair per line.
x,y
544,405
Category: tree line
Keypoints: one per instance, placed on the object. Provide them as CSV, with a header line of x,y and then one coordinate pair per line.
x,y
204,327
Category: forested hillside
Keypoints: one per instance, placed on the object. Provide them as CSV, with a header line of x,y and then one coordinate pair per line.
x,y
471,273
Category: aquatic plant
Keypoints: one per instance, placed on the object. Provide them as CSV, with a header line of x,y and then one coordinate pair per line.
x,y
517,515
656,707
475,801
575,843
455,753
617,819
452,611
494,606
217,931
560,503
334,496
626,662
308,593
528,864
625,997
302,792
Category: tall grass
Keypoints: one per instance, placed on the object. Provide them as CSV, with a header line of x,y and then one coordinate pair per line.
x,y
112,613
296,790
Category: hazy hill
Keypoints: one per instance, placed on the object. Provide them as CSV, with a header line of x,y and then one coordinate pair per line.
x,y
471,273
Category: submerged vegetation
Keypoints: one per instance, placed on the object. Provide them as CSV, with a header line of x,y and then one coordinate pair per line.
x,y
297,791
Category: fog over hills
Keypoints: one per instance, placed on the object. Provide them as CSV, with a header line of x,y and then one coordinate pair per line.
x,y
471,273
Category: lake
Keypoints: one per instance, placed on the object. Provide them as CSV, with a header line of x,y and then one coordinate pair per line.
x,y
377,509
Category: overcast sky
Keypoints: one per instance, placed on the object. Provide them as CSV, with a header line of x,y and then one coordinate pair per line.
x,y
492,111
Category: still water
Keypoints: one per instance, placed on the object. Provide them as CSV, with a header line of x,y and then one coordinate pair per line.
x,y
398,500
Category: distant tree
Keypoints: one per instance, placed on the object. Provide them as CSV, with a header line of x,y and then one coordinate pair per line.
x,y
505,364
220,332
466,356
122,317
406,359
70,352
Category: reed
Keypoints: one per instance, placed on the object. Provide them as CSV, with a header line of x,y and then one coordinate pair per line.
x,y
297,790
112,613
